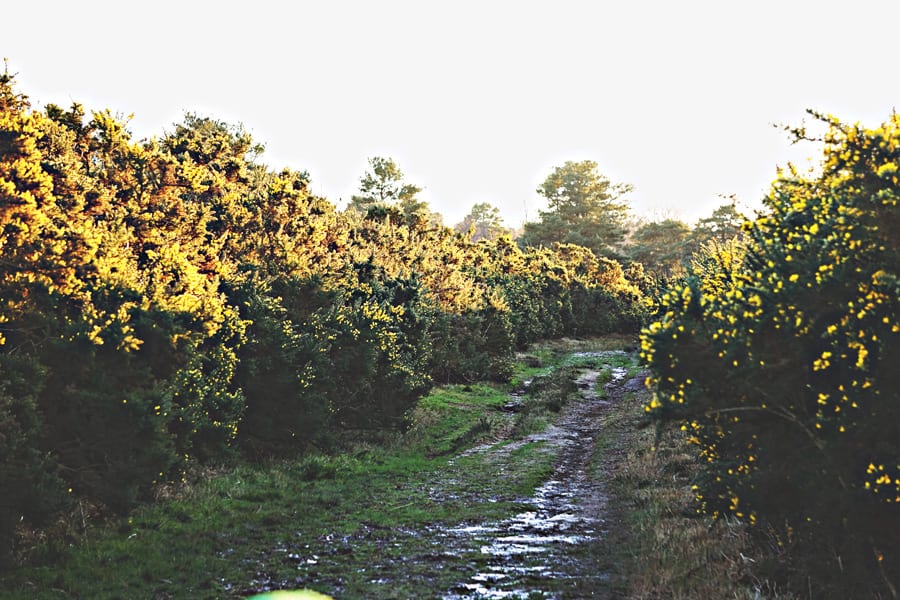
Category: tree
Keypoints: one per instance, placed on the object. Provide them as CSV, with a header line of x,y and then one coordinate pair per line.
x,y
485,222
661,247
722,225
585,208
384,184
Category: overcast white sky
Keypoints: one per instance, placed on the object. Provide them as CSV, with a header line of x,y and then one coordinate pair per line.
x,y
477,101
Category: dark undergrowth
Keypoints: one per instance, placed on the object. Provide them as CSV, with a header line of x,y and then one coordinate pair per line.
x,y
350,522
663,548
236,529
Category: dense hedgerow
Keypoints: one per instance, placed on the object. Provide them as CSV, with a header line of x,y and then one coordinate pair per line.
x,y
778,356
173,301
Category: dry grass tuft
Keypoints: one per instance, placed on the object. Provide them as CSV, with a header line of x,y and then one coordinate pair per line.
x,y
667,550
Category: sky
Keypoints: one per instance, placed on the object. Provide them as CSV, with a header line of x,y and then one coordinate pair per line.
x,y
478,101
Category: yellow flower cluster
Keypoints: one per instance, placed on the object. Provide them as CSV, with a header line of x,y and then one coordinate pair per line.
x,y
777,353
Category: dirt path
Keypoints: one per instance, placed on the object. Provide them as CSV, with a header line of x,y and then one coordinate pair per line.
x,y
546,550
553,547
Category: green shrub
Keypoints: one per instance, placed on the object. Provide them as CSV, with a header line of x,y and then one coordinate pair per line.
x,y
475,346
378,349
779,358
32,488
286,407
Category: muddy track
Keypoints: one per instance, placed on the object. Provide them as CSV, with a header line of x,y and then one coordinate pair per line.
x,y
552,548
545,551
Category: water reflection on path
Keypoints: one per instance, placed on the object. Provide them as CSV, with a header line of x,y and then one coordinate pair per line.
x,y
546,541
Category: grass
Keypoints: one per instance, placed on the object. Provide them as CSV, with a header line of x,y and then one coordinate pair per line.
x,y
542,358
662,547
252,525
257,524
453,417
347,523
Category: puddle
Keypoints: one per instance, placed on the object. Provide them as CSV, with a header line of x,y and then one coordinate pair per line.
x,y
599,355
540,552
618,374
526,551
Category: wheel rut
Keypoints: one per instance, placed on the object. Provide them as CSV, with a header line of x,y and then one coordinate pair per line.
x,y
551,547
545,550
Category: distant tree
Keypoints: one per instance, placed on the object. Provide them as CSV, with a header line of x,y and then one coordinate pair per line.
x,y
584,209
417,214
383,184
661,246
722,225
485,222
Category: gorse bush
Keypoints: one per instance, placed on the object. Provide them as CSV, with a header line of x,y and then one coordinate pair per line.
x,y
32,487
277,366
172,301
778,357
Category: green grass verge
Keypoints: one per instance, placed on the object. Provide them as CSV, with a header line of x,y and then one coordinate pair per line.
x,y
317,522
347,523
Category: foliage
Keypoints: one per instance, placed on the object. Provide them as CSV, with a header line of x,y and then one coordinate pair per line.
x,y
171,302
277,365
483,221
384,185
31,486
584,208
665,248
778,357
474,346
379,353
723,224
662,246
565,290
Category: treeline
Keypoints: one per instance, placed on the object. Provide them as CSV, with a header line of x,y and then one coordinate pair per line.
x,y
173,301
778,356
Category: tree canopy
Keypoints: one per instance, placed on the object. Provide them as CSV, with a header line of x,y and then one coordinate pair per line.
x,y
484,221
584,208
661,246
722,225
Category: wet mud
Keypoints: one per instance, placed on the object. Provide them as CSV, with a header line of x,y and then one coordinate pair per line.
x,y
547,550
539,551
